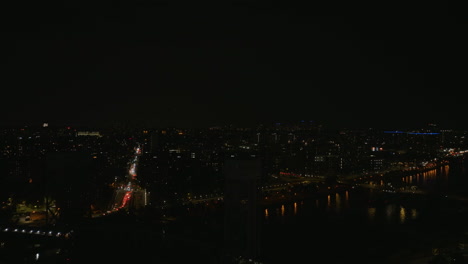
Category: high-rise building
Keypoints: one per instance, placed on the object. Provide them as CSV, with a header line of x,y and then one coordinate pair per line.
x,y
68,182
242,216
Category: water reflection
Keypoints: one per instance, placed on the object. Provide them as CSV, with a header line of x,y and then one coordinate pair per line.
x,y
357,209
425,181
414,213
371,213
344,204
389,209
347,199
337,202
402,215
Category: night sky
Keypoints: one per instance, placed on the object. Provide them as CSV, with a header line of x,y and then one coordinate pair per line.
x,y
167,63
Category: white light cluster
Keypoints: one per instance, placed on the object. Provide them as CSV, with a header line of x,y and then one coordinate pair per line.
x,y
36,232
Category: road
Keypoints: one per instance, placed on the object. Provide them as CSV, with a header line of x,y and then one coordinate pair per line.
x,y
128,194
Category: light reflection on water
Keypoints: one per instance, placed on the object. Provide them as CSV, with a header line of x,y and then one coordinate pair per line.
x,y
390,211
414,213
402,215
371,213
338,202
347,198
330,218
342,204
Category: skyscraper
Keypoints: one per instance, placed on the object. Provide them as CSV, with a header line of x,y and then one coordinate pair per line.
x,y
241,225
69,181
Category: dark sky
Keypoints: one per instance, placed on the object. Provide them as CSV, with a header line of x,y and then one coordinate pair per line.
x,y
241,62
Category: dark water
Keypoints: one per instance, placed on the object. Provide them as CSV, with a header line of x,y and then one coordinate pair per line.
x,y
365,226
359,225
354,226
338,229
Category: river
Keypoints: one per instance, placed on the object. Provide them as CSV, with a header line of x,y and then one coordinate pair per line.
x,y
367,226
355,225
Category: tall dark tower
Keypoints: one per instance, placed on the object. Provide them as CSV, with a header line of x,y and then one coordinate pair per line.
x,y
68,181
241,222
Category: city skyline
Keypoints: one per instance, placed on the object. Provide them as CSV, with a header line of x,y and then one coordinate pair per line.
x,y
238,63
229,195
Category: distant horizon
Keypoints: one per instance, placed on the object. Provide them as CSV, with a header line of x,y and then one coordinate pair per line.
x,y
244,64
155,125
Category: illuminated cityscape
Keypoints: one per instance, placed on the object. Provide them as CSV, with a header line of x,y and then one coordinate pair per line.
x,y
235,132
219,194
